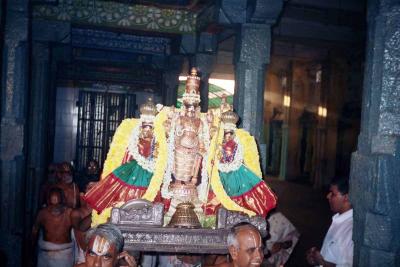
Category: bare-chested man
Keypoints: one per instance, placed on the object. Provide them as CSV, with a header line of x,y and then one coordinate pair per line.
x,y
55,247
71,190
81,220
105,245
245,247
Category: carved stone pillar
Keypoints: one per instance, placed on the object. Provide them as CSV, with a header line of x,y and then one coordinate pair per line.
x,y
253,53
375,168
13,130
171,79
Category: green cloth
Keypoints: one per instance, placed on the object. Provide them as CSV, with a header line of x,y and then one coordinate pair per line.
x,y
133,174
238,182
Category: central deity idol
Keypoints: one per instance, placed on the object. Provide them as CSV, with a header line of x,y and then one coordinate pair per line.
x,y
188,140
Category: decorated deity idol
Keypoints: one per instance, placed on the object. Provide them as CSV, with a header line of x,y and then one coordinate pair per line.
x,y
188,142
131,162
236,175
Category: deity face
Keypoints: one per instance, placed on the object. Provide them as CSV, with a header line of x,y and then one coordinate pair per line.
x,y
101,253
147,131
191,109
228,135
92,168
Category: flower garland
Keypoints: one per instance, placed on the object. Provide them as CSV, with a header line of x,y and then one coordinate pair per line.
x,y
237,159
161,162
205,136
251,157
170,162
118,146
145,163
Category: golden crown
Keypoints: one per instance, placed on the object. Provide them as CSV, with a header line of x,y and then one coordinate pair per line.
x,y
148,111
229,118
192,94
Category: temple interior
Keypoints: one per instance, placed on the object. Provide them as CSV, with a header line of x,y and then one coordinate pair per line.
x,y
315,82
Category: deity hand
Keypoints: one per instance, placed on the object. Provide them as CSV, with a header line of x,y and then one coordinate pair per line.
x,y
155,152
210,118
213,131
219,153
167,127
202,150
170,117
196,168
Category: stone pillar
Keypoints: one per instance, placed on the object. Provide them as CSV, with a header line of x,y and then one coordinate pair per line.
x,y
205,64
375,168
171,79
253,53
251,56
13,130
38,125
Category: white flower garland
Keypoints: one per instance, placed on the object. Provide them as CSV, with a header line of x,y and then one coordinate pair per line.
x,y
170,163
236,162
202,188
145,163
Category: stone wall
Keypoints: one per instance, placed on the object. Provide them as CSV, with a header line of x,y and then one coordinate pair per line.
x,y
375,168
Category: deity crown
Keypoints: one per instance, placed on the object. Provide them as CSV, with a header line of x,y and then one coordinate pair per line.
x,y
192,93
148,111
230,119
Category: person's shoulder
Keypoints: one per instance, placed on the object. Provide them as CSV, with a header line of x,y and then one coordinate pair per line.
x,y
42,213
75,212
44,210
68,210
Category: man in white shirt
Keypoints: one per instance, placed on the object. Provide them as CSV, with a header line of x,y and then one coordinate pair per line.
x,y
337,249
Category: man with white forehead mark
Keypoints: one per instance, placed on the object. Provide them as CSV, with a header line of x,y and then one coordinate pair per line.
x,y
105,244
245,246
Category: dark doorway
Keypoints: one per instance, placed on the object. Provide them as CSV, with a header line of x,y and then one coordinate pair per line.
x,y
99,115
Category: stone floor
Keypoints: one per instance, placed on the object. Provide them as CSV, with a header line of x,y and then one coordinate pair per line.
x,y
308,210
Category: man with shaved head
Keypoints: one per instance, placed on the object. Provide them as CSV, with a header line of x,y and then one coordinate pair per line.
x,y
105,248
245,247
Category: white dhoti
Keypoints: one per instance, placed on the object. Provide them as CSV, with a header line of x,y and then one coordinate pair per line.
x,y
55,255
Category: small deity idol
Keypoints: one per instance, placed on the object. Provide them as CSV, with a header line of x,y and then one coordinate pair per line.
x,y
238,166
131,178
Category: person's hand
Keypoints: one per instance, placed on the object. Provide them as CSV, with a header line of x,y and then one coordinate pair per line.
x,y
126,259
276,247
318,258
287,244
190,259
